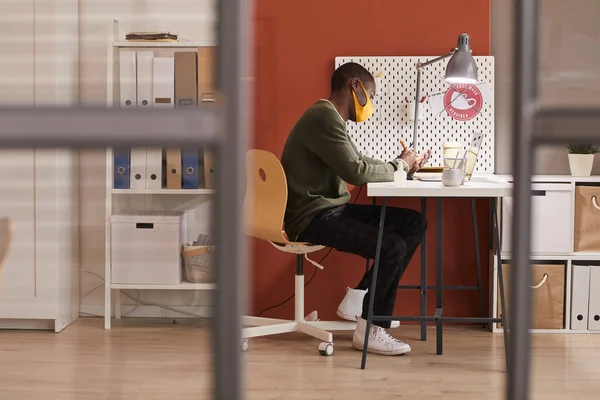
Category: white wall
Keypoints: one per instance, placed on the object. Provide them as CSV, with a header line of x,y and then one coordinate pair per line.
x,y
568,66
191,20
17,69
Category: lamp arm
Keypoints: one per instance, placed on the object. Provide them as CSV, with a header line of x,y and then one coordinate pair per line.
x,y
437,59
420,66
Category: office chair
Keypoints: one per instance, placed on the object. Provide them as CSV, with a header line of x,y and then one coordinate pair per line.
x,y
264,211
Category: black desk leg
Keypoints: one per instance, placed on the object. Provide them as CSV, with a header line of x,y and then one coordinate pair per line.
x,y
373,283
367,260
424,274
500,278
478,260
439,280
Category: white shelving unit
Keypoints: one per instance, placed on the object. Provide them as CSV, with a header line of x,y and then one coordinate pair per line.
x,y
115,196
163,191
553,231
181,286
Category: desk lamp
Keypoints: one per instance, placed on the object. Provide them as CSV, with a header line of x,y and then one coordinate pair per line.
x,y
461,68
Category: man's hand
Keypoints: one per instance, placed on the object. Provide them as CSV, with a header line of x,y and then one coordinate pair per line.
x,y
422,160
410,157
414,162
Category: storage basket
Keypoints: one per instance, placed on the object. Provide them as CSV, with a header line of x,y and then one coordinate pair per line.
x,y
198,263
587,219
547,295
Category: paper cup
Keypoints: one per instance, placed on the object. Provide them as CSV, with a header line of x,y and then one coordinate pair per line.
x,y
452,149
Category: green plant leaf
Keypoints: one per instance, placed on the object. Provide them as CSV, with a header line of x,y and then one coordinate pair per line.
x,y
576,148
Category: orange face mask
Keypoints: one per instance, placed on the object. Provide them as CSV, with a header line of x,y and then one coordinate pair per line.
x,y
363,113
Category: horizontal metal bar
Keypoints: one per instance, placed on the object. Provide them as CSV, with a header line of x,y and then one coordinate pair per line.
x,y
409,286
392,318
438,317
110,127
469,320
433,287
459,287
562,125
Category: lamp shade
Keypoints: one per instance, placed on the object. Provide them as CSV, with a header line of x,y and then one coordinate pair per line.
x,y
461,67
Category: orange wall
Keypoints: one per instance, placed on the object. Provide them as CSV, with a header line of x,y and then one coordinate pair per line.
x,y
296,43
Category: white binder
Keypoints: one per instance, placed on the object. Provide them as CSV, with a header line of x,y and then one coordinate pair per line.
x,y
144,78
154,168
163,86
594,303
127,83
138,168
580,295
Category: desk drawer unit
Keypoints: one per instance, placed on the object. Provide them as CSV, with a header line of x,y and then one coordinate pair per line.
x,y
548,295
146,249
552,210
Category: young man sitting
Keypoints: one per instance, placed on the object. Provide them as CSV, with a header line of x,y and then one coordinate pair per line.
x,y
319,159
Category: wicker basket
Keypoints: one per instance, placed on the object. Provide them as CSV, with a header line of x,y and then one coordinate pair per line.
x,y
198,263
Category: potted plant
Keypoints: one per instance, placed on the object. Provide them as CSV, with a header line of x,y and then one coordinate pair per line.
x,y
581,158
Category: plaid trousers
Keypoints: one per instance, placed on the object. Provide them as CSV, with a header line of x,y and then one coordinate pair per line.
x,y
353,228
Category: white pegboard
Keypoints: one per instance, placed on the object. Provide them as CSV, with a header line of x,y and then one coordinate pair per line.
x,y
379,137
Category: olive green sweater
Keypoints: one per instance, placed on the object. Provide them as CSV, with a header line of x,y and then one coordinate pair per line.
x,y
319,158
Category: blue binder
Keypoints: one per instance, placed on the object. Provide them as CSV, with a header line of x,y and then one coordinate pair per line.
x,y
121,164
189,169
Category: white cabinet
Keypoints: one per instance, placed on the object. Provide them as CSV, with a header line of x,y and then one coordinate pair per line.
x,y
552,216
553,229
40,284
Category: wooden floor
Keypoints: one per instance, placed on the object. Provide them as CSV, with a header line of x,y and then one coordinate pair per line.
x,y
159,360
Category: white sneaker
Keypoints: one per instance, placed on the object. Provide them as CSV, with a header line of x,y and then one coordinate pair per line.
x,y
351,306
380,342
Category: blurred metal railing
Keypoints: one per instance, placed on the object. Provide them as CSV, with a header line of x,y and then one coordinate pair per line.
x,y
223,128
532,126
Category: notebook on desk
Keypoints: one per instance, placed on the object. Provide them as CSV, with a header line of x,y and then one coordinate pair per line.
x,y
436,176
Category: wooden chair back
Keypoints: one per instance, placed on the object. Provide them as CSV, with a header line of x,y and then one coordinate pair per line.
x,y
266,197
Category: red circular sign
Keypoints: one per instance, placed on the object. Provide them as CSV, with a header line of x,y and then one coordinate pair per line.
x,y
463,101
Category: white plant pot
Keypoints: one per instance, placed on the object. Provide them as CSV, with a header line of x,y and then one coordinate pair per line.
x,y
581,164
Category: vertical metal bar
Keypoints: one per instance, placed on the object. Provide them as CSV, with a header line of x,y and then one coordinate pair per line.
x,y
234,63
424,273
491,238
478,259
367,260
373,283
496,227
299,264
525,91
439,269
416,116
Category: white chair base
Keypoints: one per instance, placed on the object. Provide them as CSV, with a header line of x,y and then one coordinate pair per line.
x,y
309,324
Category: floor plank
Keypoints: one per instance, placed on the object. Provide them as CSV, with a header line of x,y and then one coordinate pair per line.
x,y
142,359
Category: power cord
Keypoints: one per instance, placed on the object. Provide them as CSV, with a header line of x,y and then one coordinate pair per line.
x,y
306,284
313,274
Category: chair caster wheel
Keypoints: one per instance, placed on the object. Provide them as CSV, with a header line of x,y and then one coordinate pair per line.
x,y
244,345
326,349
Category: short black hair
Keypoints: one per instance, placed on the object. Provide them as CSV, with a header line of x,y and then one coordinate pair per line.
x,y
348,71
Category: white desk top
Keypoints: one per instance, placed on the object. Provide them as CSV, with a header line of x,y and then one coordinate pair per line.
x,y
556,178
479,186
